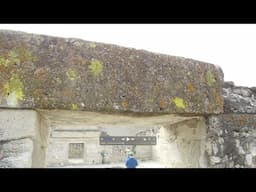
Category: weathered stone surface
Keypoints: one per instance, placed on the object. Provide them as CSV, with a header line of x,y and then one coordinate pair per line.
x,y
86,127
40,144
180,140
181,145
239,99
23,139
45,72
231,141
17,124
16,153
81,119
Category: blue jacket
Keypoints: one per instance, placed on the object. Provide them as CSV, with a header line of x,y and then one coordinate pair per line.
x,y
131,163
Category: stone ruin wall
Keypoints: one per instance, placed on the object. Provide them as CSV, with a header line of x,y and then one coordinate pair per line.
x,y
42,72
231,137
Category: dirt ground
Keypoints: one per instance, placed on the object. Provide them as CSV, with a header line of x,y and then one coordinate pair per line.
x,y
142,164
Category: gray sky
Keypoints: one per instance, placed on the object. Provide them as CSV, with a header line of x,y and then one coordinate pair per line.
x,y
231,46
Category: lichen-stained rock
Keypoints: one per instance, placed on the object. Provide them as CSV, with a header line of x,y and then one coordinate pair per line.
x,y
239,99
231,141
38,71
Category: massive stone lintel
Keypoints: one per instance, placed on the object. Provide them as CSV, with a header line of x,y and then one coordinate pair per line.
x,y
38,71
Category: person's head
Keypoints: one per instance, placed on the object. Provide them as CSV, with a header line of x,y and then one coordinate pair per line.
x,y
130,155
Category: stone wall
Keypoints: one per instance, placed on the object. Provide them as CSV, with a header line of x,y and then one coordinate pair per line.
x,y
231,141
239,99
231,137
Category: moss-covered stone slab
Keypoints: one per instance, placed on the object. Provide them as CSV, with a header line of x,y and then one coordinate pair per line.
x,y
38,71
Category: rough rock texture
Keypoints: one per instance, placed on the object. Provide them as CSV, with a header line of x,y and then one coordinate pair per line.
x,y
22,144
239,99
181,145
17,124
16,153
45,72
231,141
85,127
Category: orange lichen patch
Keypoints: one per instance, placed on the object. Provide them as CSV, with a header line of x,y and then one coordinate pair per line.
x,y
124,103
79,61
219,100
67,93
163,103
191,88
243,120
41,73
38,92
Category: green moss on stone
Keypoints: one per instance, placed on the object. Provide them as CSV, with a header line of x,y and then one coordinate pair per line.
x,y
72,74
124,104
4,62
17,55
23,54
151,100
58,80
10,59
179,102
14,90
14,57
210,78
96,67
74,106
93,45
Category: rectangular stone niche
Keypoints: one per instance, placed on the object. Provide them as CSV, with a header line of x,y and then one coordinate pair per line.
x,y
74,139
59,138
